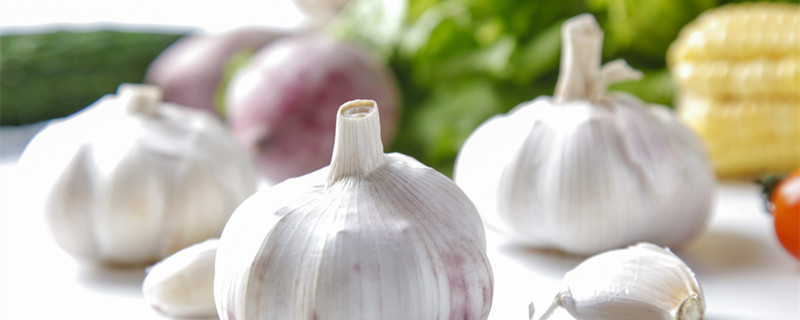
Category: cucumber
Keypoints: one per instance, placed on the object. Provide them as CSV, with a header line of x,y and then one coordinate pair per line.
x,y
50,75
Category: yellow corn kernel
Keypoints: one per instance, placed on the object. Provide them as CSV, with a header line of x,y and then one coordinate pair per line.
x,y
746,137
766,77
737,70
740,31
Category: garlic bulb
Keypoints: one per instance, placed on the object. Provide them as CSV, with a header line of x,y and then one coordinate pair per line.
x,y
371,236
182,285
643,281
130,179
587,170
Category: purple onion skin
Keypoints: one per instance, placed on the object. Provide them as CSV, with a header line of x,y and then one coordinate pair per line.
x,y
282,105
190,70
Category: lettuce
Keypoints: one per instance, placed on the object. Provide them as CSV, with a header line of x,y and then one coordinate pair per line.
x,y
461,61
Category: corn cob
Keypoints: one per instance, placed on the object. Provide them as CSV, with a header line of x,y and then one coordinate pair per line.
x,y
740,31
737,70
746,137
755,77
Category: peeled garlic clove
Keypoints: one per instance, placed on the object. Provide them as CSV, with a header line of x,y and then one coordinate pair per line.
x,y
643,281
372,236
587,170
182,285
131,179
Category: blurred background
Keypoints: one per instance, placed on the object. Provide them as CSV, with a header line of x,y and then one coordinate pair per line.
x,y
457,62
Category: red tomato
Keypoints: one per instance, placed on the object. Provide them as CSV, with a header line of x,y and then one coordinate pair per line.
x,y
786,211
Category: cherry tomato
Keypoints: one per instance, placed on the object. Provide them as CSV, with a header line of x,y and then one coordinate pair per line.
x,y
785,199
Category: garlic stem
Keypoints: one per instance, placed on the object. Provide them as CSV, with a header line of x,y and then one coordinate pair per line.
x,y
580,76
357,147
581,51
139,98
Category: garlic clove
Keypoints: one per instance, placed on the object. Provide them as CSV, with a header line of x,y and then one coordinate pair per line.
x,y
643,281
372,236
182,285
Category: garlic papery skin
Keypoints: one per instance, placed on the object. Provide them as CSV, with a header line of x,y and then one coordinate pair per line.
x,y
587,170
182,285
643,281
131,179
371,236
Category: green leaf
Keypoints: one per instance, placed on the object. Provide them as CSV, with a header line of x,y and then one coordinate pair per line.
x,y
461,61
374,23
436,129
238,61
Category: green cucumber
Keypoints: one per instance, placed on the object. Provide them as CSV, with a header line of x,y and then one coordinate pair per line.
x,y
50,75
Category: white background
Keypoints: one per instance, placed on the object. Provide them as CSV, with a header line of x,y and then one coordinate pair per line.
x,y
34,15
744,272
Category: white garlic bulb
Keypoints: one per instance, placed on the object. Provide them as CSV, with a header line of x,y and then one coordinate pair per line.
x,y
587,170
130,179
182,285
643,281
371,236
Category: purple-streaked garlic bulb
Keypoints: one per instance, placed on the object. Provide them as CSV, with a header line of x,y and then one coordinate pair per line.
x,y
280,104
371,236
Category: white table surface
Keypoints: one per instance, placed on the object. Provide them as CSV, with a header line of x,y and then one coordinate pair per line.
x,y
744,272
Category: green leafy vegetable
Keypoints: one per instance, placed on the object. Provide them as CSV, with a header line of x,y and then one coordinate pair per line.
x,y
461,61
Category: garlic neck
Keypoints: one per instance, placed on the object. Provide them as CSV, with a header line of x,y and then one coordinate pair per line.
x,y
357,147
139,98
581,76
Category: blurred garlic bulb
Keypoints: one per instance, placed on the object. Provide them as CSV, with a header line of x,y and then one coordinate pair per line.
x,y
130,179
371,236
320,12
643,281
587,170
182,285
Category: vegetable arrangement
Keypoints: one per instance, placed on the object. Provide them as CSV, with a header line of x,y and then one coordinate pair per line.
x,y
276,91
460,62
383,236
348,238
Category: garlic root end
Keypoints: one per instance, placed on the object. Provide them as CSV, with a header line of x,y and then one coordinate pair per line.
x,y
691,309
